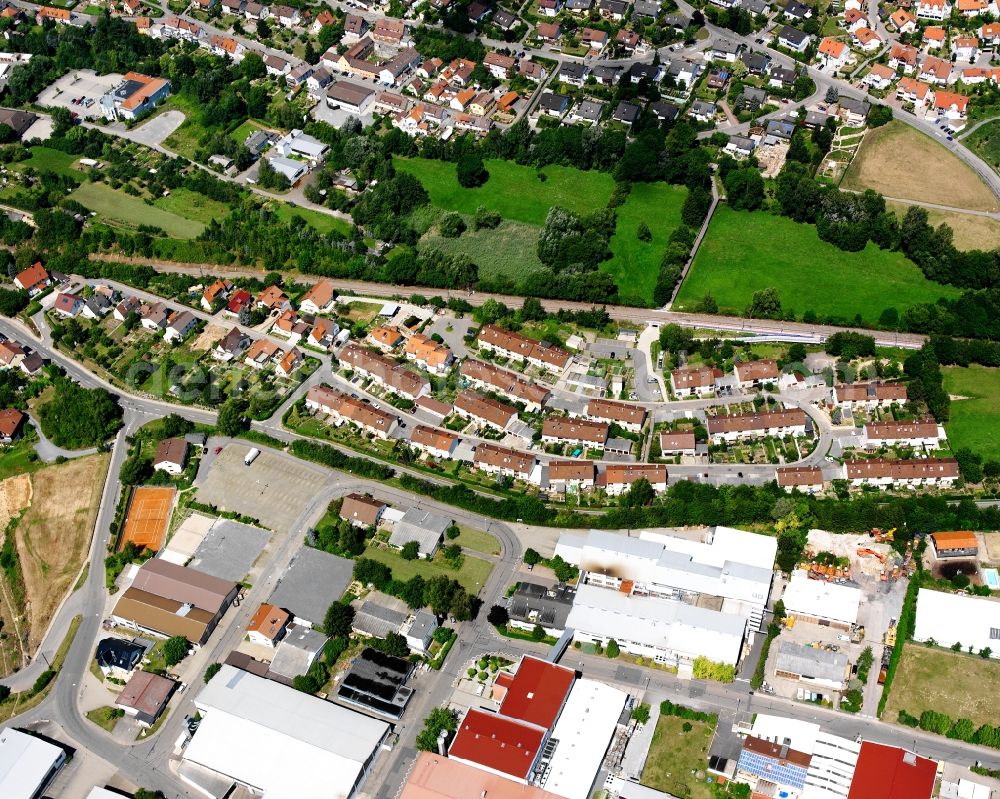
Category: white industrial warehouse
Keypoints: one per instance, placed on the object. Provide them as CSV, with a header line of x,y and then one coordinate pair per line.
x,y
734,566
27,764
955,619
821,602
584,731
278,742
666,630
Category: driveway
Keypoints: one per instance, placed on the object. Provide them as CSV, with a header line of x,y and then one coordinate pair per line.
x,y
153,132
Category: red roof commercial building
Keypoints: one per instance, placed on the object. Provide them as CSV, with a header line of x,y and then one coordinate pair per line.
x,y
887,772
538,691
498,744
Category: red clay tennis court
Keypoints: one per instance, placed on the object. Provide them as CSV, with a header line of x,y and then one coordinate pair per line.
x,y
148,515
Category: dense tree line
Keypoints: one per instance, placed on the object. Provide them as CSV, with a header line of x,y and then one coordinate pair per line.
x,y
78,417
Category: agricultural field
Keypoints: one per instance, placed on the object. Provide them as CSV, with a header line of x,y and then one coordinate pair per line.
x,y
515,192
975,421
744,252
53,536
130,211
971,231
636,264
877,166
472,574
948,682
676,758
46,159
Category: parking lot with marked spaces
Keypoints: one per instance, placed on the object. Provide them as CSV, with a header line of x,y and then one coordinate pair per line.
x,y
82,84
272,489
148,514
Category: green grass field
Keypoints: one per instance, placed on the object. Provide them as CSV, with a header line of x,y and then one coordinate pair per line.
x,y
477,540
192,205
676,758
974,422
514,191
745,252
472,575
324,223
636,264
985,142
19,457
119,207
507,252
45,159
948,682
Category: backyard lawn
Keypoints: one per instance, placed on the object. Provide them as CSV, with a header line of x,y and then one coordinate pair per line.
x,y
746,252
46,159
514,191
116,206
676,758
636,264
974,422
472,574
948,682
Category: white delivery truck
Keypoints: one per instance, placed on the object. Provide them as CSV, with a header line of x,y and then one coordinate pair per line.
x,y
251,456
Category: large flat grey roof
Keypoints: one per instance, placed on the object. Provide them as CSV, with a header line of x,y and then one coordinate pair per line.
x,y
229,549
311,583
808,661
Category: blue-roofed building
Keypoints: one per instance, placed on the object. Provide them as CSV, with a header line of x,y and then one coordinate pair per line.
x,y
774,769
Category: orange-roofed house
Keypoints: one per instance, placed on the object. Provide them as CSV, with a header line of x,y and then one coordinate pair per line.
x,y
990,33
935,70
879,77
903,21
273,299
268,624
11,423
951,105
134,96
833,53
975,8
911,90
955,544
854,19
867,39
506,103
60,16
934,37
903,55
965,48
428,354
33,279
933,9
385,338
